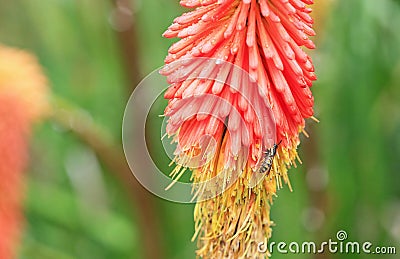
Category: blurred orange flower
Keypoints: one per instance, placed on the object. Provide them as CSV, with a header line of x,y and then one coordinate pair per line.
x,y
23,100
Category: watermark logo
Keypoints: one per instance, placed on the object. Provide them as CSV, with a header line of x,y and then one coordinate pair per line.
x,y
340,245
341,235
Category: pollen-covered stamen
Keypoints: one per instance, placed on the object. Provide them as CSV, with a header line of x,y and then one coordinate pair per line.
x,y
241,214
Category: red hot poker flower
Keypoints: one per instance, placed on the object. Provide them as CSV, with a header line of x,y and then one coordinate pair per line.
x,y
264,38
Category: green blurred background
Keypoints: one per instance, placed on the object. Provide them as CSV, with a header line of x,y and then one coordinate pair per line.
x,y
94,52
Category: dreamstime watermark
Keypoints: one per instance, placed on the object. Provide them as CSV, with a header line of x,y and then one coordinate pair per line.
x,y
338,246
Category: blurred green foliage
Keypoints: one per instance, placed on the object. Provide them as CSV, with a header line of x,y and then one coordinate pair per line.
x,y
358,140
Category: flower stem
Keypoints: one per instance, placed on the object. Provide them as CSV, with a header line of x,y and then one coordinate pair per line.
x,y
79,122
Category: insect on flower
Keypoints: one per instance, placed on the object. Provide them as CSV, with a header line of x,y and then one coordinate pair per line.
x,y
269,155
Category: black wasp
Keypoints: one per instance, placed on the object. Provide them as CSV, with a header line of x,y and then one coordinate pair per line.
x,y
268,159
